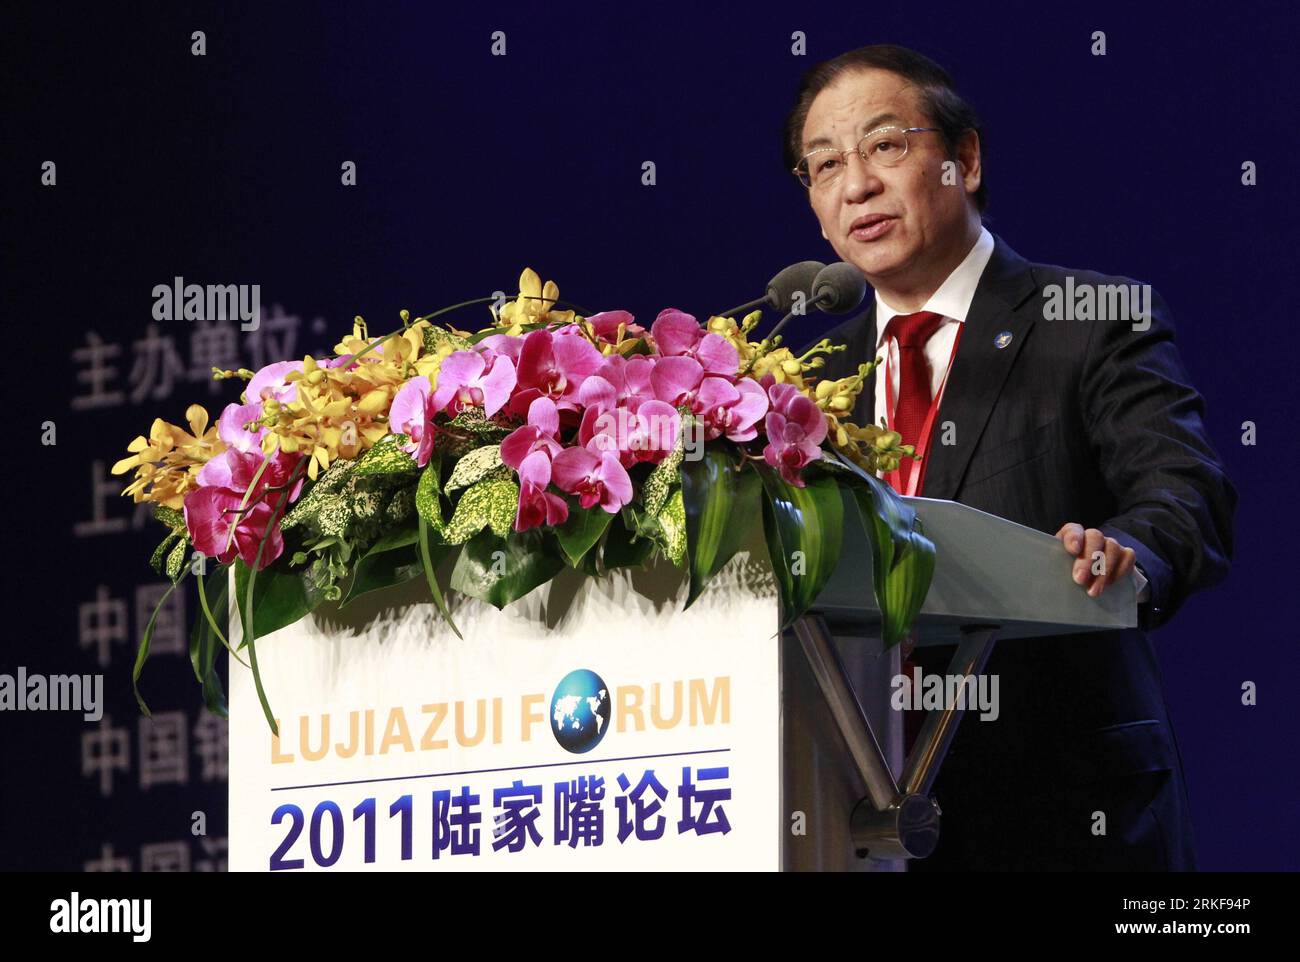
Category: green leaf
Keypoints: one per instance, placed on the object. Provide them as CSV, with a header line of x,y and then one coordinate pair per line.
x,y
623,547
383,569
207,638
721,500
667,529
400,510
492,501
430,556
902,556
804,529
473,421
218,621
473,467
160,553
666,474
501,570
142,652
436,337
171,517
468,430
279,598
395,538
672,525
502,329
325,492
581,531
247,596
387,457
176,560
428,497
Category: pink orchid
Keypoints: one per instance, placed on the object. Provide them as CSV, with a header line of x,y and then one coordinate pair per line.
x,y
683,381
553,367
269,383
679,335
647,432
411,413
606,324
208,516
795,429
501,344
618,382
213,518
232,427
538,435
537,505
474,379
731,410
596,478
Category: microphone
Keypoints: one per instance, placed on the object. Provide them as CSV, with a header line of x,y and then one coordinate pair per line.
x,y
837,289
782,289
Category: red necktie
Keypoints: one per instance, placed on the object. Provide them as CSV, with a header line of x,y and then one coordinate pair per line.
x,y
912,331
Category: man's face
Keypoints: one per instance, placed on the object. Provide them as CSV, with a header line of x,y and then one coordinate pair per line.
x,y
928,220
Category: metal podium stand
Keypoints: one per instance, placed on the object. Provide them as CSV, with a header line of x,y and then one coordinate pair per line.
x,y
864,807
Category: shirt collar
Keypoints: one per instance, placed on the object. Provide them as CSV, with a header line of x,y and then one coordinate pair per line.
x,y
954,296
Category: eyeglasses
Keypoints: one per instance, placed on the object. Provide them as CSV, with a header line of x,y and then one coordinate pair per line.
x,y
882,147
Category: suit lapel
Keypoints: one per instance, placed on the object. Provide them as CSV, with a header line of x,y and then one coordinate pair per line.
x,y
980,369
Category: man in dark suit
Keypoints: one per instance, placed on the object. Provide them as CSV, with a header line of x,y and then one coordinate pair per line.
x,y
1084,428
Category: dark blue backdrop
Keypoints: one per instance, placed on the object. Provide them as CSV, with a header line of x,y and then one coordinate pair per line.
x,y
226,169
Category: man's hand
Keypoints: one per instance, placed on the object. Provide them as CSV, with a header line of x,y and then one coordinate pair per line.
x,y
1101,560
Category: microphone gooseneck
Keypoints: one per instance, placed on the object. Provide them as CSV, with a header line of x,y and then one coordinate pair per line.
x,y
783,288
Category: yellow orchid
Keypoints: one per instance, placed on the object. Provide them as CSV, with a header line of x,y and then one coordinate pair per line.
x,y
738,335
533,306
871,446
167,462
339,412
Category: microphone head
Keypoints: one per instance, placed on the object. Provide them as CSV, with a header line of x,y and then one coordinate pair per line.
x,y
838,289
797,278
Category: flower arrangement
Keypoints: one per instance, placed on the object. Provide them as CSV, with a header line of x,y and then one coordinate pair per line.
x,y
548,439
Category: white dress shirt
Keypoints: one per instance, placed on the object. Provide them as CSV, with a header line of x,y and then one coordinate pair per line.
x,y
952,302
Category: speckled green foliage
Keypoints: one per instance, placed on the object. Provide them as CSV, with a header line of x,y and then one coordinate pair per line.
x,y
473,421
436,337
176,560
428,504
329,483
160,553
170,516
387,457
469,430
351,506
672,525
175,520
668,472
400,509
492,501
473,467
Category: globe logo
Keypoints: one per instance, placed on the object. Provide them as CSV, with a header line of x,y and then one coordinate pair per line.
x,y
580,711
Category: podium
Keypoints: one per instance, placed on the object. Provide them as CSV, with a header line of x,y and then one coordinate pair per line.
x,y
842,740
598,723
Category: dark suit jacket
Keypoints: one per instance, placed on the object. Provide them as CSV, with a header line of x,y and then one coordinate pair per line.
x,y
1093,422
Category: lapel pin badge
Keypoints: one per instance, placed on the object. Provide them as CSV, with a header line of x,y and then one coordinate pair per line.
x,y
1002,340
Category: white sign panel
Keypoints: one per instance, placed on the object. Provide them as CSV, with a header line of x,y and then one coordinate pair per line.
x,y
594,723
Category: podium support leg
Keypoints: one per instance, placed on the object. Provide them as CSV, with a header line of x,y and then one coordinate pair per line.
x,y
937,731
896,820
852,721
